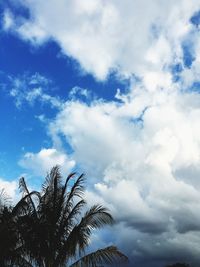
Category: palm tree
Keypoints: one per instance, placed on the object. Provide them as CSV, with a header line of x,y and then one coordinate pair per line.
x,y
11,251
54,228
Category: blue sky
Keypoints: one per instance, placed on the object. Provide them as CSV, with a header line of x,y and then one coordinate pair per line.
x,y
19,60
111,89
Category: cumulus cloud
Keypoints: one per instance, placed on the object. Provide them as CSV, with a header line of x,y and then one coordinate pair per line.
x,y
40,163
104,35
139,154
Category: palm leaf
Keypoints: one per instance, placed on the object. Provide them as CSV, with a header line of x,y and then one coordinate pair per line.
x,y
23,206
68,220
50,178
23,187
66,206
108,255
96,217
61,210
77,188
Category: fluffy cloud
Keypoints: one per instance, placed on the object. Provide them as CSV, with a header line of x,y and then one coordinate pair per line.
x,y
9,189
139,155
40,163
131,37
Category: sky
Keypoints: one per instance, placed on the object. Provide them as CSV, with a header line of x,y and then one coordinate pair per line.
x,y
109,88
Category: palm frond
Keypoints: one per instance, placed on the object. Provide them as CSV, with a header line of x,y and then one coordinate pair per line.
x,y
96,217
53,175
23,187
108,255
23,204
77,188
64,188
68,178
62,198
76,191
68,220
77,209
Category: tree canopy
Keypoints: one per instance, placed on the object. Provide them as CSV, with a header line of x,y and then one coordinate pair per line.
x,y
52,228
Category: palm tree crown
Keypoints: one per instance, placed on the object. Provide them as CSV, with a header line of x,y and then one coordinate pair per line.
x,y
54,227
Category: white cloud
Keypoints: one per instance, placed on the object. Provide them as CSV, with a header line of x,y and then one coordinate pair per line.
x,y
10,188
40,163
31,88
77,92
155,80
135,155
8,20
131,36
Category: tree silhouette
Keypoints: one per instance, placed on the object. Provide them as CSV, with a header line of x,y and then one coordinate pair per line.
x,y
53,226
11,250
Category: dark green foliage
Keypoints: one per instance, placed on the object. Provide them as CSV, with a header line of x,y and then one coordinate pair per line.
x,y
50,229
